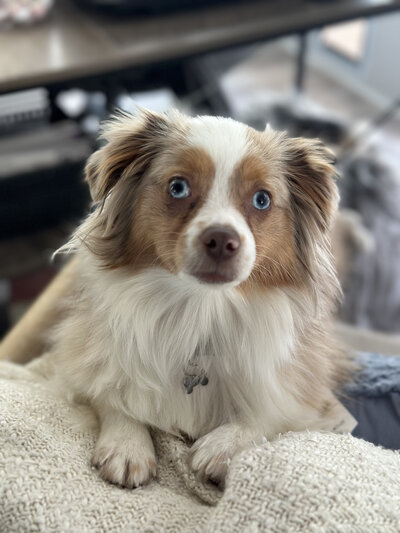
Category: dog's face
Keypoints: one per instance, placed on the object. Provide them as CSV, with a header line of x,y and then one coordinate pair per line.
x,y
210,199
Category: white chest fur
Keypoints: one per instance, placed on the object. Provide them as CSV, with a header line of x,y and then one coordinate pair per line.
x,y
152,326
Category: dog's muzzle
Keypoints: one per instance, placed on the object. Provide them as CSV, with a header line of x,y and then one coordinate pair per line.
x,y
218,249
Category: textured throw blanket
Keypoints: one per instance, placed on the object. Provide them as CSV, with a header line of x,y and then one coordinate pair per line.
x,y
308,482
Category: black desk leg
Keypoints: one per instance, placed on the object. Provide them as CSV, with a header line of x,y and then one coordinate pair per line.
x,y
301,63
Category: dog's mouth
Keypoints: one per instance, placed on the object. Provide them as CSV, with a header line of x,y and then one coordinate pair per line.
x,y
214,278
214,273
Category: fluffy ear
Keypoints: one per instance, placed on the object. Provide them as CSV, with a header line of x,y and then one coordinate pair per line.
x,y
313,203
131,143
311,178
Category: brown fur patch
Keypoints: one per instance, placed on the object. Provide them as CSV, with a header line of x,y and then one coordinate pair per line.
x,y
310,175
139,224
114,174
300,178
275,260
311,178
161,220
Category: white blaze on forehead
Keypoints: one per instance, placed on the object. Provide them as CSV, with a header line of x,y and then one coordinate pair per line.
x,y
224,139
226,142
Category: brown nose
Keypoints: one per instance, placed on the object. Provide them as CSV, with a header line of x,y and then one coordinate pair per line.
x,y
220,242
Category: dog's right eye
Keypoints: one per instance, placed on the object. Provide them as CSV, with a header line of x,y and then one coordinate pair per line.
x,y
179,188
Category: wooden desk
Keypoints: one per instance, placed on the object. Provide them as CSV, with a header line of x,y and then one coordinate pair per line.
x,y
74,43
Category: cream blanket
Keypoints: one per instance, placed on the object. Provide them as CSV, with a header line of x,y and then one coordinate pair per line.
x,y
307,482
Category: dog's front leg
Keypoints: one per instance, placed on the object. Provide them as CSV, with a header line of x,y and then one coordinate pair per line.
x,y
124,452
211,454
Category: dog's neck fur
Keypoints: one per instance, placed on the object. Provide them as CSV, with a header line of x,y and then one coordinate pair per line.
x,y
171,320
157,324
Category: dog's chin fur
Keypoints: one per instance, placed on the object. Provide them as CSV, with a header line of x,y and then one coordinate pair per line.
x,y
140,319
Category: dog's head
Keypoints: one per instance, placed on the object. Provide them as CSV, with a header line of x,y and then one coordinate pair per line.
x,y
210,199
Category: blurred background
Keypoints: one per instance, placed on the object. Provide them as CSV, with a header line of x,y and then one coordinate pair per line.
x,y
316,68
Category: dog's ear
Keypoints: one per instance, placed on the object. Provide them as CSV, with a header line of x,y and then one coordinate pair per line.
x,y
131,143
311,178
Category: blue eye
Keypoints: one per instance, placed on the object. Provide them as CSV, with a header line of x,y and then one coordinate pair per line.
x,y
179,188
261,200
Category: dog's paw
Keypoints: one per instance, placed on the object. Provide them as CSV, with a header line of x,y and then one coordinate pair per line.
x,y
124,465
210,455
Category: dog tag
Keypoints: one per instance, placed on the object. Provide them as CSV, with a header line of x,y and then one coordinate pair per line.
x,y
193,376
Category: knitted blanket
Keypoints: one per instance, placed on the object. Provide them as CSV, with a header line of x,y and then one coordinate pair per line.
x,y
300,482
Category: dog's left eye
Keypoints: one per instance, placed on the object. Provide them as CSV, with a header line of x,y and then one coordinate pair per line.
x,y
179,188
261,200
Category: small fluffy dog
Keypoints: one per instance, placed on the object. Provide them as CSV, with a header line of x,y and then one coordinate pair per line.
x,y
205,290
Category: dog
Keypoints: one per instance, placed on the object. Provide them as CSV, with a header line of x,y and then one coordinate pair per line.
x,y
204,292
